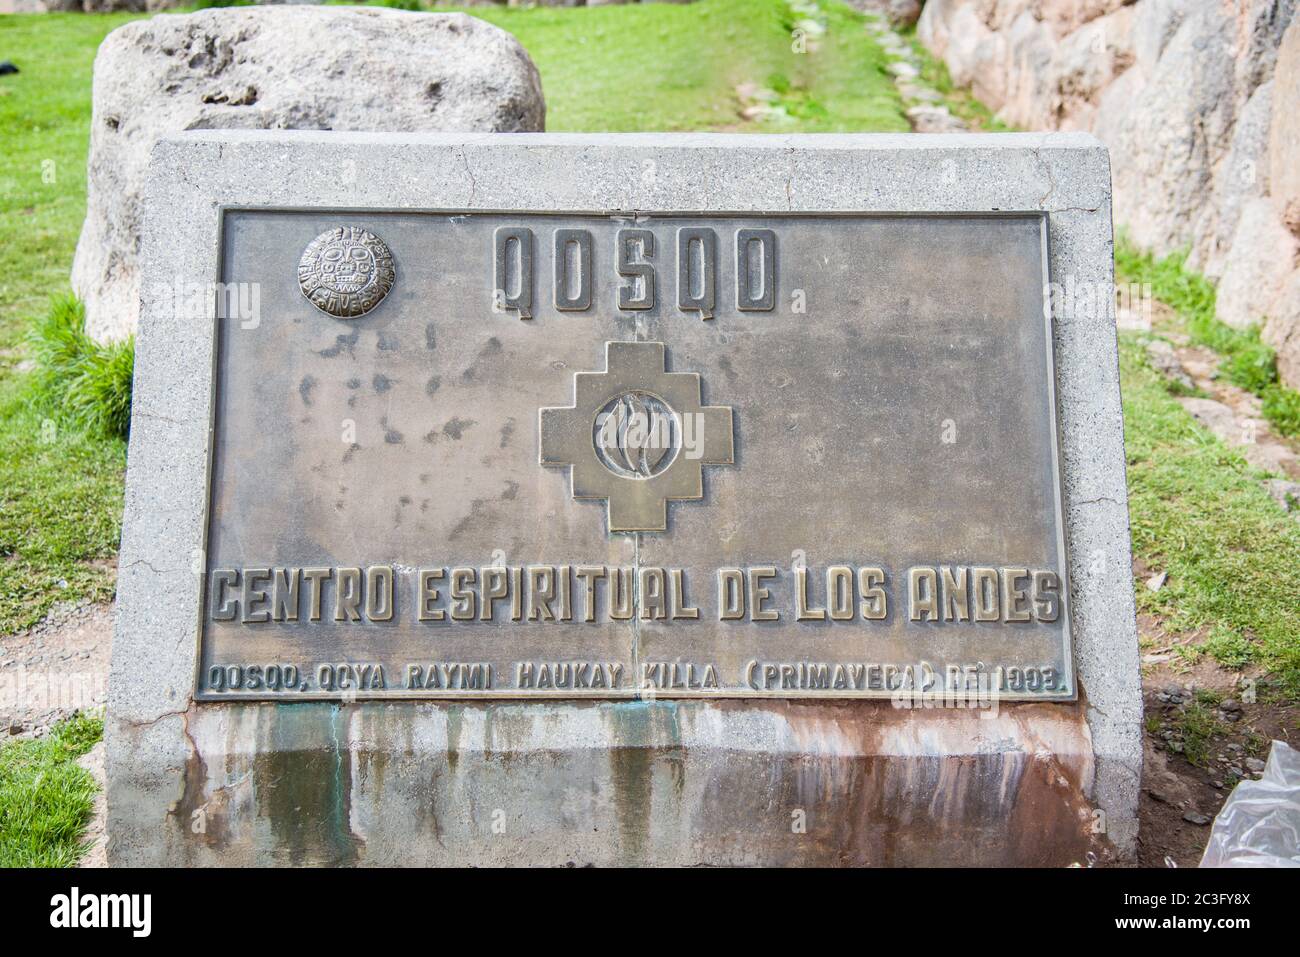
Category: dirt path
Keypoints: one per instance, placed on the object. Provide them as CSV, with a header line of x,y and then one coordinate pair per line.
x,y
54,669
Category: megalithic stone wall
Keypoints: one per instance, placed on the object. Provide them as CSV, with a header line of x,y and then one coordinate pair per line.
x,y
276,67
1199,102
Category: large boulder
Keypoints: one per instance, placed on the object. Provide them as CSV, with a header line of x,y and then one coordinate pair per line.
x,y
1282,330
1240,177
276,67
1258,264
1166,135
1199,102
1284,135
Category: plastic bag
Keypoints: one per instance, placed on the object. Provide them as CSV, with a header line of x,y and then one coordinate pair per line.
x,y
1259,825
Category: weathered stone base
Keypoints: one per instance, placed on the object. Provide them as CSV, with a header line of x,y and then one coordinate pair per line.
x,y
664,783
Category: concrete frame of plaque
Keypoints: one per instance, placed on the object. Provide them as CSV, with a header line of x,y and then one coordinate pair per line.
x,y
663,499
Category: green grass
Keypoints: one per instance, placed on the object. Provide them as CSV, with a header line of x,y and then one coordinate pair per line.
x,y
666,67
45,129
1200,512
80,383
60,511
1247,362
60,486
45,797
1199,726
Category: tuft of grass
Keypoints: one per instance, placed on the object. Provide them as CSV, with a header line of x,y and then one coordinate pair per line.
x,y
1281,406
1199,726
1199,512
46,798
83,383
1247,361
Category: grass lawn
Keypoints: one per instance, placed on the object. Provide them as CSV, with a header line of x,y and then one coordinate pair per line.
x,y
663,66
1199,512
45,797
60,490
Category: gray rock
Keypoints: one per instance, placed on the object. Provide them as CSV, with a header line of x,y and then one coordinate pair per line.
x,y
1155,25
1254,764
1282,330
1241,177
1260,31
1286,493
1229,704
1257,267
276,67
1167,135
1161,356
900,13
1284,135
1197,818
1215,416
934,119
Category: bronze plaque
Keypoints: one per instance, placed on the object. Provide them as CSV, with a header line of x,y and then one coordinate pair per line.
x,y
525,455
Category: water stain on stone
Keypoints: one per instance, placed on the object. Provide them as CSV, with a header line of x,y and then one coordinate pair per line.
x,y
345,343
512,489
631,775
304,792
507,431
386,344
430,337
456,427
304,388
490,350
431,386
381,383
391,435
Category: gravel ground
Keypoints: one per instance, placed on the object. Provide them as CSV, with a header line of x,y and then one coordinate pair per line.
x,y
54,669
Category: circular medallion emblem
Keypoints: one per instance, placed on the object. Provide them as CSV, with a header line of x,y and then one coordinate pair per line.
x,y
346,272
637,435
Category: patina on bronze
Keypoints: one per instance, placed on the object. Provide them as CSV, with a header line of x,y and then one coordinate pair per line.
x,y
682,455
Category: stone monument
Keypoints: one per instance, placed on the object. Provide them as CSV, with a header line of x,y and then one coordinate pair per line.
x,y
625,499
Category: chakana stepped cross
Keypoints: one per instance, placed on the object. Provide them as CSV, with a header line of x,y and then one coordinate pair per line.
x,y
568,436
